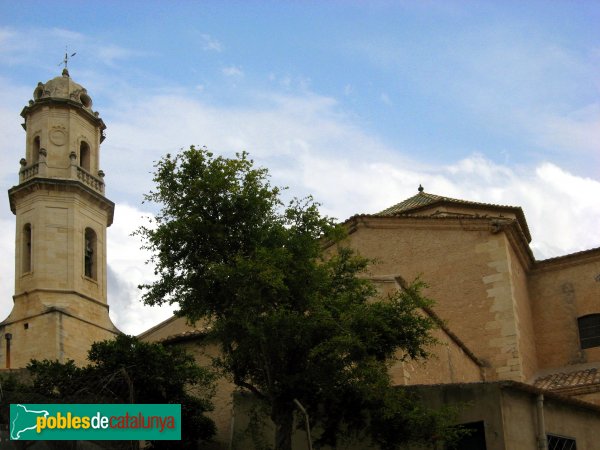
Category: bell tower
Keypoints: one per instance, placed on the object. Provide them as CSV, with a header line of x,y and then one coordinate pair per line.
x,y
60,306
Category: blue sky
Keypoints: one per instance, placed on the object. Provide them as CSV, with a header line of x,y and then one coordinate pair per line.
x,y
355,102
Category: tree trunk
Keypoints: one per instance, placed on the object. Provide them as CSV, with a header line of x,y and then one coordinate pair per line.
x,y
283,417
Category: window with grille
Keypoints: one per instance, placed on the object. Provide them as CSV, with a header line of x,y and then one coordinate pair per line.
x,y
560,443
589,330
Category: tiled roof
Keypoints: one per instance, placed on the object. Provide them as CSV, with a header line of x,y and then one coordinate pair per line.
x,y
574,379
184,336
416,201
424,199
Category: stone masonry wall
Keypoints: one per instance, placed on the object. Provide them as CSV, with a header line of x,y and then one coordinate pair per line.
x,y
523,316
561,291
467,269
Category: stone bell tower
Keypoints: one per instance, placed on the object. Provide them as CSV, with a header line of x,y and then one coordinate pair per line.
x,y
60,305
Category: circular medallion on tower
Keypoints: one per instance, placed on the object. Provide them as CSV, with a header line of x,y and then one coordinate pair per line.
x,y
58,136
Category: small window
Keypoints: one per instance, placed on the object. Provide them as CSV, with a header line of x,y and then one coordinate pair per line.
x,y
90,254
589,330
26,249
560,443
35,151
84,156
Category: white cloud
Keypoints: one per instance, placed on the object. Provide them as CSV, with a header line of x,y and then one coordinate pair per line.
x,y
232,71
507,78
577,131
67,35
110,54
313,148
7,264
16,47
127,269
210,44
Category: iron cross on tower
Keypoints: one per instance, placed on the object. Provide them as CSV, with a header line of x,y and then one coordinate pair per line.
x,y
65,61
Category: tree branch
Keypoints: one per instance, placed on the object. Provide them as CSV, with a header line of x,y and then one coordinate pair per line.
x,y
251,388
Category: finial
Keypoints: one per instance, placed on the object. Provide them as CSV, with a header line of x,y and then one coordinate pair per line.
x,y
65,61
420,188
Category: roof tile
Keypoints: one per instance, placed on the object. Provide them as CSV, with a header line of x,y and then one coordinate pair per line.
x,y
569,380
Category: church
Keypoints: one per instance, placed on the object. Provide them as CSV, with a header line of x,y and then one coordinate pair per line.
x,y
519,338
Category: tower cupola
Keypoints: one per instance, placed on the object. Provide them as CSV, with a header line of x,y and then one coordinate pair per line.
x,y
63,134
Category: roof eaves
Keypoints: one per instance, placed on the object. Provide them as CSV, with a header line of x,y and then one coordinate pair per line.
x,y
184,336
568,259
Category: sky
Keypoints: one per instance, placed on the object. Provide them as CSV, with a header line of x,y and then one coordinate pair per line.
x,y
353,102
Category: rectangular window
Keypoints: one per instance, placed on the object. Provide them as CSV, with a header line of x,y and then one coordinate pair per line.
x,y
589,330
560,443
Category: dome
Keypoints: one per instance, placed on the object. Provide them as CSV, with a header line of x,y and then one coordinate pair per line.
x,y
63,87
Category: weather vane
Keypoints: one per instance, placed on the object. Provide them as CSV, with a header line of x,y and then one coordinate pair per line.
x,y
65,61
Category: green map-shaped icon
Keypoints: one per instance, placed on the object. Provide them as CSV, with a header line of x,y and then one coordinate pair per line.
x,y
24,419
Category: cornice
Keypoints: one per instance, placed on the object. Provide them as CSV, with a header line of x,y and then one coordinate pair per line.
x,y
56,101
64,185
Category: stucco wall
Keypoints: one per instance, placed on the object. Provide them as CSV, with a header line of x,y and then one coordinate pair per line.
x,y
510,415
580,424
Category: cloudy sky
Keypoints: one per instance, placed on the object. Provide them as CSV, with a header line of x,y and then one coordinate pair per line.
x,y
354,102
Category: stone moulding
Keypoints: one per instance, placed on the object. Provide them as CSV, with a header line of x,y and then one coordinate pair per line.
x,y
51,184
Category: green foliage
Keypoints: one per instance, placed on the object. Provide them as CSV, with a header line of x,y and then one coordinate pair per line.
x,y
296,319
124,370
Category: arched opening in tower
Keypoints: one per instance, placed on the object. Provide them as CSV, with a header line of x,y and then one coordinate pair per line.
x,y
84,156
26,251
35,151
90,265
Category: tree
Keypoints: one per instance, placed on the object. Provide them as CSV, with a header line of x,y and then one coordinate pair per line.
x,y
288,303
123,370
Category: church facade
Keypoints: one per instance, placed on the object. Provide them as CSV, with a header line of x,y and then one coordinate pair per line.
x,y
519,338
